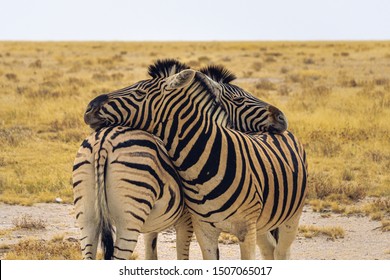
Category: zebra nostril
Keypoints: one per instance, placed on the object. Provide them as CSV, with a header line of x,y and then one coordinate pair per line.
x,y
89,109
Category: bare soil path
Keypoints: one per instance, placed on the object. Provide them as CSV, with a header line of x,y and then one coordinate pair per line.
x,y
363,238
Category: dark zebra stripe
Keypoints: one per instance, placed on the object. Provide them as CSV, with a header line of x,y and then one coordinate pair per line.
x,y
138,191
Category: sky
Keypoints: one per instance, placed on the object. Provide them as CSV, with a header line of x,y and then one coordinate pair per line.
x,y
195,20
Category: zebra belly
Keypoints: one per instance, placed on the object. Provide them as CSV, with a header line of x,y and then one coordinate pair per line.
x,y
235,217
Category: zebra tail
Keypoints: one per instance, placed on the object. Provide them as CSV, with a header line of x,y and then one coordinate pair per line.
x,y
105,225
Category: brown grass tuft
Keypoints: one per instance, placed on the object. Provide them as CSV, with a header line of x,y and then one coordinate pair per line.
x,y
227,238
332,233
32,249
28,222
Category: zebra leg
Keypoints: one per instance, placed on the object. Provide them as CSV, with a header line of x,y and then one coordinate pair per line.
x,y
89,241
266,243
207,236
151,245
248,243
125,242
184,231
287,234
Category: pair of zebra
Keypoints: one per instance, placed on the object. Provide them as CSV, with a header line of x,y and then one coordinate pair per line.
x,y
190,149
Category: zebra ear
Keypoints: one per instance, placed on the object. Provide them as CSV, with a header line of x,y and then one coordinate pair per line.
x,y
181,79
214,87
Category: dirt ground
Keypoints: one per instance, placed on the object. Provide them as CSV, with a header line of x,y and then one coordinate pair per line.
x,y
363,238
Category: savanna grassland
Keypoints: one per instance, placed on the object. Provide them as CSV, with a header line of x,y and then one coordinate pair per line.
x,y
336,96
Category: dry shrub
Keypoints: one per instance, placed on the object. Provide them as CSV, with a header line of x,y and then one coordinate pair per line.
x,y
284,90
36,64
55,249
257,66
323,143
320,91
77,82
295,78
323,186
28,222
193,63
270,59
100,90
101,77
72,135
111,60
382,81
247,74
320,185
275,54
117,76
265,85
47,89
204,60
349,83
284,70
377,156
330,148
21,89
348,175
12,77
378,205
376,216
14,135
308,61
44,93
353,191
227,238
385,225
313,231
69,121
322,206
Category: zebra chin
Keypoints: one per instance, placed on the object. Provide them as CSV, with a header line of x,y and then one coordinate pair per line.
x,y
278,128
94,122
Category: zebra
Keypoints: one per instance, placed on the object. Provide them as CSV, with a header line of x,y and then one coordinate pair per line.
x,y
124,178
248,184
259,115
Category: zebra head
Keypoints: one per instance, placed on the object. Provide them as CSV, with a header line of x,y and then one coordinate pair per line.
x,y
123,107
152,104
246,112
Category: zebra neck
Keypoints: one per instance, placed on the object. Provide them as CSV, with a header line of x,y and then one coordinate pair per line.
x,y
196,150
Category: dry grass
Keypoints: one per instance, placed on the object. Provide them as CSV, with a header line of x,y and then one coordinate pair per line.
x,y
5,232
58,248
28,222
385,225
335,96
227,238
32,249
330,232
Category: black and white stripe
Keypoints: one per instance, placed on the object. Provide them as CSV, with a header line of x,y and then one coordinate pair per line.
x,y
124,183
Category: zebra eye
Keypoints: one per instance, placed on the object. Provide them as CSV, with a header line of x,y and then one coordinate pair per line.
x,y
140,92
239,99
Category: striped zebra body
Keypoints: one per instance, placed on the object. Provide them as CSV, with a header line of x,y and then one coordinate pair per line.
x,y
246,184
125,183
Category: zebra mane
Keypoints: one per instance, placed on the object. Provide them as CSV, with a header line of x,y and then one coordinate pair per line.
x,y
218,73
163,68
